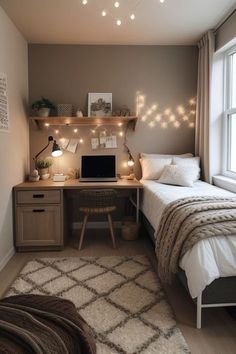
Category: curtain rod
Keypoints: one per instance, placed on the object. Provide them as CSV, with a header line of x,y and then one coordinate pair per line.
x,y
224,21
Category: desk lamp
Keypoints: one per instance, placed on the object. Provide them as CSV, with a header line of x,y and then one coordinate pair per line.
x,y
56,151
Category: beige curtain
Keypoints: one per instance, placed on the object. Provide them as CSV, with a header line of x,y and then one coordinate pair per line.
x,y
202,134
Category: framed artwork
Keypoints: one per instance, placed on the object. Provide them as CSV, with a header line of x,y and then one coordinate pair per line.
x,y
4,113
99,104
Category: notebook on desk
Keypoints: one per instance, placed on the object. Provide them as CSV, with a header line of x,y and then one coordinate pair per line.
x,y
98,168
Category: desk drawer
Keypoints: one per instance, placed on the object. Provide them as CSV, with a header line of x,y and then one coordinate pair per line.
x,y
38,197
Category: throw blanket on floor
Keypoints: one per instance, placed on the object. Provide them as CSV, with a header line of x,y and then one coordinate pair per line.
x,y
185,222
43,325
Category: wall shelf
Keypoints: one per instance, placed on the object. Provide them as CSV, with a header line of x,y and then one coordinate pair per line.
x,y
85,121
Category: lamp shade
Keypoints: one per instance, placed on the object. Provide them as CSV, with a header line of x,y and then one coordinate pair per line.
x,y
56,151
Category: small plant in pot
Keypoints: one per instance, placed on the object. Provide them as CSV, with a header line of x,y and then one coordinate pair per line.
x,y
43,107
42,166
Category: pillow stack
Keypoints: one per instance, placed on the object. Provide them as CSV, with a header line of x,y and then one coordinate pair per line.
x,y
180,170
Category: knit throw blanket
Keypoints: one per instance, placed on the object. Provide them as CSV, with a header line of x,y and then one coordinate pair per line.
x,y
43,325
185,222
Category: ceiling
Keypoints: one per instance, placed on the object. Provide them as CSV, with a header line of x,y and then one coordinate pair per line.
x,y
176,22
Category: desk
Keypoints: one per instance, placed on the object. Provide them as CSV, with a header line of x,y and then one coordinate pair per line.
x,y
40,210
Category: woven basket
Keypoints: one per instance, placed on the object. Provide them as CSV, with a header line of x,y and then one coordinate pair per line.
x,y
64,110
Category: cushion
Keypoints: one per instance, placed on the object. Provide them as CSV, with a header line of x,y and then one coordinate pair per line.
x,y
152,168
178,175
189,162
164,156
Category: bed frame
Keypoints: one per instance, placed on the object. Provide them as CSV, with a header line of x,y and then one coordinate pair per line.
x,y
220,293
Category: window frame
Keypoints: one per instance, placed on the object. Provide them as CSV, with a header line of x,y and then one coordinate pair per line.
x,y
228,112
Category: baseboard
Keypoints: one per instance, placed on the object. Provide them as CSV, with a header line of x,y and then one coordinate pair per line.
x,y
95,225
7,257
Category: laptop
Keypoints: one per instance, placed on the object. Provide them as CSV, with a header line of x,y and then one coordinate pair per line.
x,y
98,168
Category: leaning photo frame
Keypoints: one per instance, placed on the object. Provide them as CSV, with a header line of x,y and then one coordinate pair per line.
x,y
99,104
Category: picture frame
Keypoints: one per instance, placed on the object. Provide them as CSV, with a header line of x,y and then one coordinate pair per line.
x,y
99,104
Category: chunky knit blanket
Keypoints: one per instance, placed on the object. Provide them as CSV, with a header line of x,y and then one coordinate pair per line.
x,y
185,222
43,325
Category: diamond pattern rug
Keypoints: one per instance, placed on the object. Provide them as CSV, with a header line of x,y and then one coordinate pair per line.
x,y
120,297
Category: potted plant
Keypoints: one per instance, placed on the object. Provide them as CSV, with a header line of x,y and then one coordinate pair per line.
x,y
42,166
43,107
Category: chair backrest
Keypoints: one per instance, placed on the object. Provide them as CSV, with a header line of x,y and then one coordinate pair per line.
x,y
97,198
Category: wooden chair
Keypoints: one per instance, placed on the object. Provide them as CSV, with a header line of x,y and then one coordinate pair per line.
x,y
97,201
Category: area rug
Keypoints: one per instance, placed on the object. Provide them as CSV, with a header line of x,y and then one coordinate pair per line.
x,y
121,298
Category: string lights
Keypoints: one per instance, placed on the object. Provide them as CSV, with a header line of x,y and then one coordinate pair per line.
x,y
116,6
168,117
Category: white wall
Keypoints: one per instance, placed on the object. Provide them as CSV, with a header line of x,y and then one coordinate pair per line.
x,y
14,146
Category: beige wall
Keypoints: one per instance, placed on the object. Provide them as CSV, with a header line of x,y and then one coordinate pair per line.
x,y
166,75
14,152
226,32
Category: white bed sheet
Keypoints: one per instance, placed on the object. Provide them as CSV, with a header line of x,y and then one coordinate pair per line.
x,y
209,259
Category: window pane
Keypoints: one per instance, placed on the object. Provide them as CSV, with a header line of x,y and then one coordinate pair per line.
x,y
233,81
232,143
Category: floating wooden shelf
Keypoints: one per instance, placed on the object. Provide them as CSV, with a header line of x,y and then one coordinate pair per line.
x,y
85,121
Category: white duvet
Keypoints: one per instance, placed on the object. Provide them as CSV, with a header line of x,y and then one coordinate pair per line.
x,y
209,259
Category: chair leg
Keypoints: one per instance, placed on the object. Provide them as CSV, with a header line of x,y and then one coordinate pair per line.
x,y
111,229
83,231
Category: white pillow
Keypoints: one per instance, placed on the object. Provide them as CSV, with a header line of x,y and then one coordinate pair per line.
x,y
189,162
178,175
164,156
152,168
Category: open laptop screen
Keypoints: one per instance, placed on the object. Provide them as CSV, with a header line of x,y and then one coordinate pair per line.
x,y
98,166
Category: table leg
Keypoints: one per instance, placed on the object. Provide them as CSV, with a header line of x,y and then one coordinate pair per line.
x,y
137,205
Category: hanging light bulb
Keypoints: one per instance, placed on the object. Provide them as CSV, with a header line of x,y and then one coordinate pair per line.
x,y
162,1
84,2
118,22
117,4
130,163
132,17
104,13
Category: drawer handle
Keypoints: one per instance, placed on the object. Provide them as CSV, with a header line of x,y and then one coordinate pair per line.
x,y
38,195
38,210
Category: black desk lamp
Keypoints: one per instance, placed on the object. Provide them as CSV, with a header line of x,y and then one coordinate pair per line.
x,y
56,151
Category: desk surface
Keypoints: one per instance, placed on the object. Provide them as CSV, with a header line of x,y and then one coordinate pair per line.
x,y
75,184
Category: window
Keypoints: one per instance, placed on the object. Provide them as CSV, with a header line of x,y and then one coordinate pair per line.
x,y
229,168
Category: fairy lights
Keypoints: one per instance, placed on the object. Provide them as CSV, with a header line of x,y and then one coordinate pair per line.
x,y
116,6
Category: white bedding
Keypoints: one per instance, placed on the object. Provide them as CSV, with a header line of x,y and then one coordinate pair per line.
x,y
209,259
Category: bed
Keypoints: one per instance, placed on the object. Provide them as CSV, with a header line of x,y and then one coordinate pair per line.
x,y
208,270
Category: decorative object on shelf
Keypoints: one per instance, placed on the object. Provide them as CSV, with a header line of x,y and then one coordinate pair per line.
x,y
79,113
42,166
34,177
124,111
99,104
64,109
43,107
56,151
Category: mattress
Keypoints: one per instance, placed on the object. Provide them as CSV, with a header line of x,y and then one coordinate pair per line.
x,y
209,259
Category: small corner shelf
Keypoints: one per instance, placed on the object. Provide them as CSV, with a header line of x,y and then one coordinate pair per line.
x,y
85,121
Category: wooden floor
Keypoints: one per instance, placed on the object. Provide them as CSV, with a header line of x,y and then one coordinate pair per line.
x,y
218,335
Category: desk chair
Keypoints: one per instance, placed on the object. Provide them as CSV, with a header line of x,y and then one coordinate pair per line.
x,y
97,201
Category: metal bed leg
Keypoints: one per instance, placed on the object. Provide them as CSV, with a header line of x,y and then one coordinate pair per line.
x,y
199,311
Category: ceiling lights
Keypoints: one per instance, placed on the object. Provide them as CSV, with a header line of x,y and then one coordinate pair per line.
x,y
117,5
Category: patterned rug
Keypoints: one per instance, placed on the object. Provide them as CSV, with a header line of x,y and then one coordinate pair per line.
x,y
120,297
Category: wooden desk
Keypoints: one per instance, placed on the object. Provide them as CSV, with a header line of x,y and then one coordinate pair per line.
x,y
40,210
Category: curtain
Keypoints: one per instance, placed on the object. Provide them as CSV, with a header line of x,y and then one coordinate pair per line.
x,y
206,48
